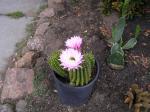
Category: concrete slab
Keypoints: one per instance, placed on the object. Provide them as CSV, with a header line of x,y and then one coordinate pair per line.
x,y
11,32
26,6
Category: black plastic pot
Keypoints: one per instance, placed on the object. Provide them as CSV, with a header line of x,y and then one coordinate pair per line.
x,y
75,96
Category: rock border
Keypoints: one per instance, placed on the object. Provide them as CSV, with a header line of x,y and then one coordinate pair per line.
x,y
19,77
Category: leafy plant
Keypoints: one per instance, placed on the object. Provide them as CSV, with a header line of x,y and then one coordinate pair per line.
x,y
128,8
138,98
107,6
116,58
77,76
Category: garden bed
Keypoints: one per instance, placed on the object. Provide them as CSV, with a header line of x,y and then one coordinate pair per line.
x,y
85,20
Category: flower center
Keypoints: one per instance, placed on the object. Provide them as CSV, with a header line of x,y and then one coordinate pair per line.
x,y
72,58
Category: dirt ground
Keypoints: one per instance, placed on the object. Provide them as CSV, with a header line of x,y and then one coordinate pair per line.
x,y
84,19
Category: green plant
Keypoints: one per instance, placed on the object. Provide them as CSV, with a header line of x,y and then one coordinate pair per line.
x,y
15,15
72,64
138,98
107,6
128,8
76,77
55,64
116,58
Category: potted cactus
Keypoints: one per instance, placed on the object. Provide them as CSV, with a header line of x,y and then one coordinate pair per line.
x,y
116,57
75,72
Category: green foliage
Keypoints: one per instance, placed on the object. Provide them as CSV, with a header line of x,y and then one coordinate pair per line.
x,y
107,7
55,64
116,61
77,77
15,15
130,44
128,8
116,58
82,76
117,30
138,98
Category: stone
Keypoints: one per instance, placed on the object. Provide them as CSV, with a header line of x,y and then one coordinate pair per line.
x,y
48,12
24,50
26,60
21,106
6,108
42,20
18,83
56,4
36,44
58,1
51,3
42,28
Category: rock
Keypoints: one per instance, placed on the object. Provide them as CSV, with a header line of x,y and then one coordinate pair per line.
x,y
26,60
18,83
56,4
58,1
41,29
6,108
48,12
51,4
24,50
42,20
21,106
36,44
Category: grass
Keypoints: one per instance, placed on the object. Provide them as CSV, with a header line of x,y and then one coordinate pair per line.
x,y
16,15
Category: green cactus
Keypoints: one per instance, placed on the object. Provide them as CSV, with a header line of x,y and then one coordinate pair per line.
x,y
82,76
55,64
116,57
77,77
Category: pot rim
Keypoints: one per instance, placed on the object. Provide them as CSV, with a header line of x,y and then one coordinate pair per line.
x,y
79,87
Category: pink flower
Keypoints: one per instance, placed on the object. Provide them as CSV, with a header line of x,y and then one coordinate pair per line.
x,y
71,59
74,43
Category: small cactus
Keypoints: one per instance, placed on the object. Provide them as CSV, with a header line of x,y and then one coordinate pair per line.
x,y
138,98
55,64
77,77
